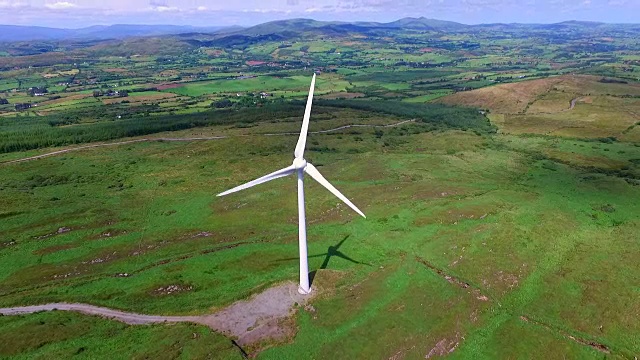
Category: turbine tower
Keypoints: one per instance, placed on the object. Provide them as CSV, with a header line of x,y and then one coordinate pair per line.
x,y
300,166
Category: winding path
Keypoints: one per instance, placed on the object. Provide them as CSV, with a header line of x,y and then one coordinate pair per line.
x,y
341,128
250,321
573,103
64,151
125,317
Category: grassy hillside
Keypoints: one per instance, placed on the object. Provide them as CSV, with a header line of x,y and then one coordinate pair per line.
x,y
573,106
65,335
515,237
498,166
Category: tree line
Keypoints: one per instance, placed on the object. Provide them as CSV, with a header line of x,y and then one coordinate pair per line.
x,y
26,133
20,134
456,117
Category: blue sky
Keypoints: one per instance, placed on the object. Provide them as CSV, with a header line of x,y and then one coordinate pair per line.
x,y
80,13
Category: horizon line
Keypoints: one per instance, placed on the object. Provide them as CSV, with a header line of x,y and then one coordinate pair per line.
x,y
324,21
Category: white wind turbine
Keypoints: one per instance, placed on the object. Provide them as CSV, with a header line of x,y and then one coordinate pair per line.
x,y
300,166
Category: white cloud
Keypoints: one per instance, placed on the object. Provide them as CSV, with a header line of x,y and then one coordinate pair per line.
x,y
163,8
11,4
267,11
60,5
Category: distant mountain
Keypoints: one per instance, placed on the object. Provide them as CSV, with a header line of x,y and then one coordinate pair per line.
x,y
572,25
581,23
11,33
426,24
280,26
25,33
297,26
282,30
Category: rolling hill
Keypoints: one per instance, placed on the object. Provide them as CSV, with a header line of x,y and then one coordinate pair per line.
x,y
285,28
423,23
299,26
11,33
580,106
289,28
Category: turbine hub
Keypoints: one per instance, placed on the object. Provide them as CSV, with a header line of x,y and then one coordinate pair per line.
x,y
299,163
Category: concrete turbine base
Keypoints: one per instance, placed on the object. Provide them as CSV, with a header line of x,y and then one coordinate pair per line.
x,y
302,291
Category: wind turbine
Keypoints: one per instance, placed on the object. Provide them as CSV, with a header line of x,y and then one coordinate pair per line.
x,y
300,166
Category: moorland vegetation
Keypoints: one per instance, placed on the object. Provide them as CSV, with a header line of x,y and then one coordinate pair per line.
x,y
498,165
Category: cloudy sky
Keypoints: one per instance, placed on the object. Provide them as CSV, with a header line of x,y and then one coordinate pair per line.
x,y
80,13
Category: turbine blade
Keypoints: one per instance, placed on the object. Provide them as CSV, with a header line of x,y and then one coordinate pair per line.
x,y
298,258
341,255
342,241
274,175
302,140
315,174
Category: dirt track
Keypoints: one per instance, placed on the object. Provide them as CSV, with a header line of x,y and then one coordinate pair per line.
x,y
59,152
573,103
125,317
249,321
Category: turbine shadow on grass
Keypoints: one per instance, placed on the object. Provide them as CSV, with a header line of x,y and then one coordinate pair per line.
x,y
331,252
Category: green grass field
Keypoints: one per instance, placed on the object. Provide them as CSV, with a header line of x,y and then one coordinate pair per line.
x,y
474,242
500,226
259,84
66,335
426,98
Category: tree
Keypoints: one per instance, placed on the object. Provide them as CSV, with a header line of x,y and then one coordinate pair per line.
x,y
224,103
97,93
21,107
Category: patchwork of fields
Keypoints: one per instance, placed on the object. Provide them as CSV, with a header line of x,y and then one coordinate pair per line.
x,y
500,177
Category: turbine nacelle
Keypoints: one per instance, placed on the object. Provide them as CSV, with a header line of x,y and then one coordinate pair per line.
x,y
299,163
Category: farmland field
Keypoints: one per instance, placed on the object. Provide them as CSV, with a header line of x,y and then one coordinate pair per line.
x,y
501,192
260,83
572,106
